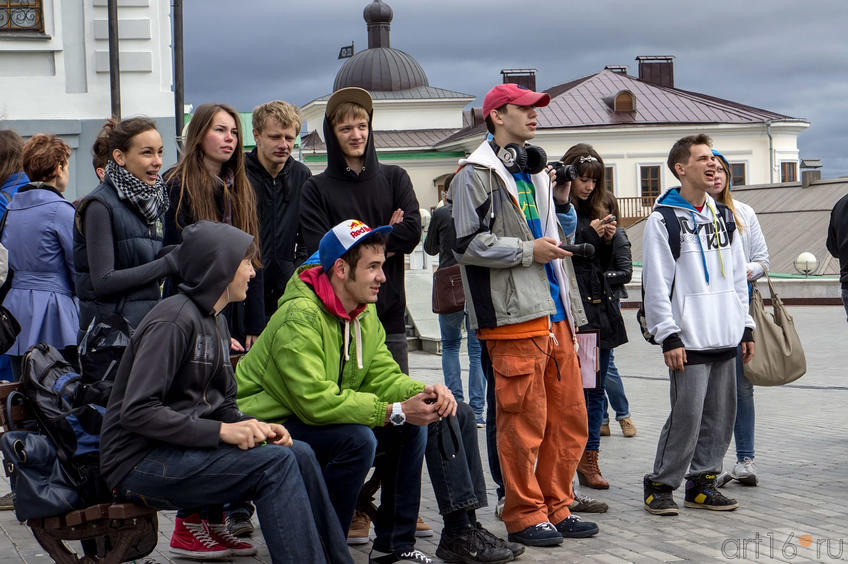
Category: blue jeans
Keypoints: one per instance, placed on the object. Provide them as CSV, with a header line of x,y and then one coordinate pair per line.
x,y
595,403
615,393
845,300
450,325
743,429
453,461
347,451
491,422
297,519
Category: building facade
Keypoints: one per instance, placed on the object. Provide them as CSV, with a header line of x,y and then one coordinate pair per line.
x,y
54,73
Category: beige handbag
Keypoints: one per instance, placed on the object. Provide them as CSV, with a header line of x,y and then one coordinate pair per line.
x,y
778,355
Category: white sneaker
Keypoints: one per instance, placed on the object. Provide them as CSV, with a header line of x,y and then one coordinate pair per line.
x,y
745,472
723,479
499,508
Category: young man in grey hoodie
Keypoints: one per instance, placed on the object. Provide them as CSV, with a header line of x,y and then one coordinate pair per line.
x,y
173,437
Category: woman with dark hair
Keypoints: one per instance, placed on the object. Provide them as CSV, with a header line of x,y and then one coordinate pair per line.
x,y
596,227
119,228
210,183
39,236
12,175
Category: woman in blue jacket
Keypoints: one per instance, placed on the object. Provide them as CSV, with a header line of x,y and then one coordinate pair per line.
x,y
39,236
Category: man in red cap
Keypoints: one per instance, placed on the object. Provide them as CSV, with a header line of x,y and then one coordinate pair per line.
x,y
522,299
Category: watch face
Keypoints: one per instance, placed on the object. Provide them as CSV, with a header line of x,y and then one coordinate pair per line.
x,y
397,419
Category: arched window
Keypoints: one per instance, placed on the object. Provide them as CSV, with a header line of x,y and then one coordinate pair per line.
x,y
624,101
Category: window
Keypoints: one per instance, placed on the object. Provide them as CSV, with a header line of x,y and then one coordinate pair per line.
x,y
788,171
609,182
649,177
624,102
21,15
737,171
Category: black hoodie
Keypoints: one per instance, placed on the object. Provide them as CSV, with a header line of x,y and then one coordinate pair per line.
x,y
371,196
175,384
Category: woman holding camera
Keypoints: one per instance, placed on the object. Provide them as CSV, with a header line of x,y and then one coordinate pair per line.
x,y
596,227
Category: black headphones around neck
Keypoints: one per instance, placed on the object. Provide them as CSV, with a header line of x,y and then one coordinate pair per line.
x,y
517,158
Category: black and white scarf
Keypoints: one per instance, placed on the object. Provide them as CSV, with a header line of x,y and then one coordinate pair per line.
x,y
150,201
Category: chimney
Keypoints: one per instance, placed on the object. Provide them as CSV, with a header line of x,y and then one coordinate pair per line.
x,y
617,69
521,77
658,70
812,172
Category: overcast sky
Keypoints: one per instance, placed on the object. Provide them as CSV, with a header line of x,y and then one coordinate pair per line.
x,y
787,56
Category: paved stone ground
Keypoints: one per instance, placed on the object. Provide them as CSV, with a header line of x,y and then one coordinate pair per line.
x,y
797,514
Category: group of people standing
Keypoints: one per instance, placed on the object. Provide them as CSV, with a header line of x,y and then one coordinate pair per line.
x,y
323,392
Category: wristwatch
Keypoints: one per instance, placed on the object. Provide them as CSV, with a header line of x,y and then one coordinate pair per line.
x,y
398,417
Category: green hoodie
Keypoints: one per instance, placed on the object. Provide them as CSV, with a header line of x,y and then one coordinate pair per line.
x,y
297,366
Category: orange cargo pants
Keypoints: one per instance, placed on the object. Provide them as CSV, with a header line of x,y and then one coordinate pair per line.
x,y
541,425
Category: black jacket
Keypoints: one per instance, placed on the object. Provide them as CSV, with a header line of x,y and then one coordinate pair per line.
x,y
243,318
136,243
620,270
370,196
441,236
837,237
278,207
175,384
598,300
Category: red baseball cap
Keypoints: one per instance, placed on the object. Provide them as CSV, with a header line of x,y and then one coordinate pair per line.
x,y
513,94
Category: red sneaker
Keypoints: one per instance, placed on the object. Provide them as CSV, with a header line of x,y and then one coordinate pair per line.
x,y
190,539
222,536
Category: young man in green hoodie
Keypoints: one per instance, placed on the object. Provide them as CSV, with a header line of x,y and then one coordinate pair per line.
x,y
322,367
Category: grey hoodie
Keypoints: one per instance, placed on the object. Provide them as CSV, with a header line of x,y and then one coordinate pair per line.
x,y
175,384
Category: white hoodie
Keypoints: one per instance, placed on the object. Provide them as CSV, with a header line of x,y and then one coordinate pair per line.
x,y
708,307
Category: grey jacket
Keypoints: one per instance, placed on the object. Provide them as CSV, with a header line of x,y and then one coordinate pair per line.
x,y
494,246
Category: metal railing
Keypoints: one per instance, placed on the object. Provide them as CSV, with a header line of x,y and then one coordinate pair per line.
x,y
634,208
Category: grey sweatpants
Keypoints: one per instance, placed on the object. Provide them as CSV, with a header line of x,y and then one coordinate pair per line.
x,y
699,428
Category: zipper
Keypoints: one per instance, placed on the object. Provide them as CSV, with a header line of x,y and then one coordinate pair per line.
x,y
341,358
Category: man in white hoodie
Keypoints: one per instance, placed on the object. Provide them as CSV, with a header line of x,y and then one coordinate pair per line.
x,y
696,306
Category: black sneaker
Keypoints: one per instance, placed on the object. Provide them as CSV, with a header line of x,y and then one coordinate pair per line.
x,y
239,524
471,546
658,498
416,556
516,549
572,527
543,534
702,493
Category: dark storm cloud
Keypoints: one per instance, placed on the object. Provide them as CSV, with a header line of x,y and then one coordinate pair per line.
x,y
782,55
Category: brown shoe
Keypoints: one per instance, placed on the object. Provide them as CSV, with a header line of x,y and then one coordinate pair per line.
x,y
588,473
627,427
422,529
360,526
605,431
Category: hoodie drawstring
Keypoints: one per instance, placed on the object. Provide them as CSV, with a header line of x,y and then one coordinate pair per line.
x,y
357,338
718,243
700,246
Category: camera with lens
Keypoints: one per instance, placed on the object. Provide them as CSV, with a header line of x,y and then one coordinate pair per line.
x,y
564,173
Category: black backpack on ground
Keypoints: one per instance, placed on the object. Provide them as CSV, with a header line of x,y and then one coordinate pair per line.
x,y
672,226
53,390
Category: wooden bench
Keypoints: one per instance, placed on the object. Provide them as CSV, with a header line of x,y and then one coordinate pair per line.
x,y
109,533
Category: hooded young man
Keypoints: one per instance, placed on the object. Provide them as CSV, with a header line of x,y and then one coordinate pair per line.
x,y
356,184
696,306
173,437
525,306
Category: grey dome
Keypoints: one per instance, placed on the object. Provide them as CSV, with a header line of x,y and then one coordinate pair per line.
x,y
381,69
377,12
